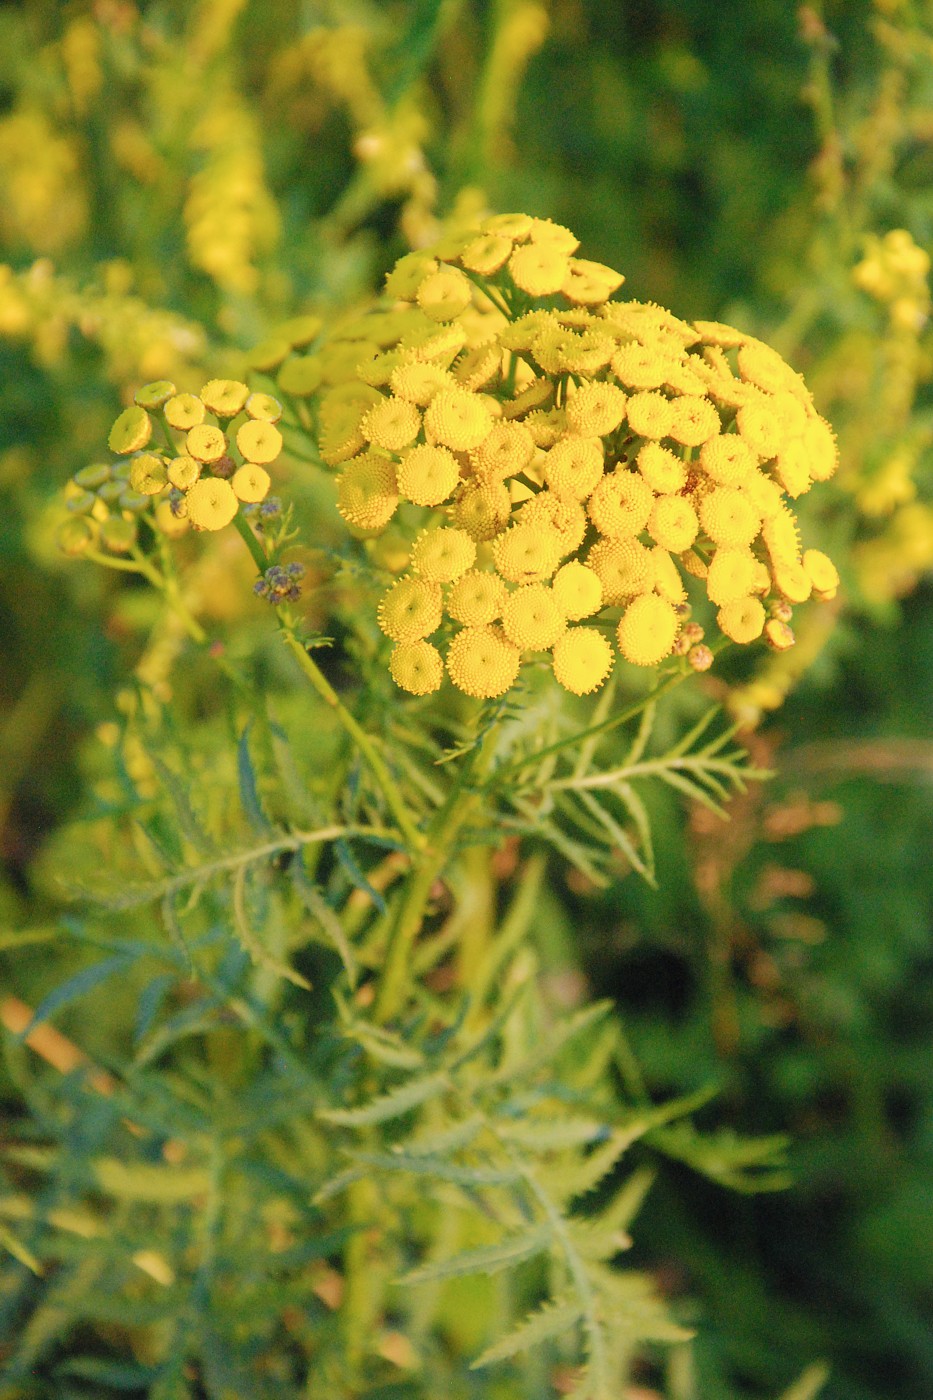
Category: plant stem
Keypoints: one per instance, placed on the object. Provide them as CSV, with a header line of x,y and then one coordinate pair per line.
x,y
251,542
384,780
450,818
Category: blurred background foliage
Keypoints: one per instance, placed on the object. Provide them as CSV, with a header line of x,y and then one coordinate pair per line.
x,y
175,178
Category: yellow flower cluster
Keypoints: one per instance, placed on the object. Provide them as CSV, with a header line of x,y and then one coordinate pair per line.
x,y
895,271
222,439
575,458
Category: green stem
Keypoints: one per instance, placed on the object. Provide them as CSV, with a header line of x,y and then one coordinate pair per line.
x,y
384,780
138,565
252,544
450,818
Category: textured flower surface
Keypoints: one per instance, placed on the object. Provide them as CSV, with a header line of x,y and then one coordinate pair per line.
x,y
605,460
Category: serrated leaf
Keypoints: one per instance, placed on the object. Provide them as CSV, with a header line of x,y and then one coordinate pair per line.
x,y
551,1046
488,1259
551,1134
446,1140
249,787
584,1174
743,1164
325,916
260,955
593,1241
77,986
383,1046
188,823
357,878
551,1320
618,836
150,1003
118,1375
335,1184
387,1106
437,1167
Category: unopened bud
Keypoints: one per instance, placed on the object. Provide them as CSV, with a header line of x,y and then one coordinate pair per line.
x,y
700,658
778,635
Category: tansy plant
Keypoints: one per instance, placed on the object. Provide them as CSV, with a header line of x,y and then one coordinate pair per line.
x,y
542,488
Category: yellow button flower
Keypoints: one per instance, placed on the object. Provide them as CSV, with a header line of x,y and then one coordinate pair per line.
x,y
205,443
662,469
263,407
184,411
823,573
486,254
251,483
416,667
729,517
673,523
742,620
527,553
731,575
582,660
728,459
482,662
505,451
482,508
457,419
693,420
224,397
410,610
623,567
420,381
153,396
428,475
532,618
444,294
367,491
577,590
477,598
131,431
621,504
212,503
183,472
647,630
539,269
259,441
148,474
442,554
650,414
596,409
391,424
574,467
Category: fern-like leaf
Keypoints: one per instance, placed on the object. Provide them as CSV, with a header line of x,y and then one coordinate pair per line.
x,y
388,1106
488,1259
552,1320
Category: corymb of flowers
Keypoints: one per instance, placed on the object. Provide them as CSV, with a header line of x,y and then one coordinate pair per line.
x,y
574,459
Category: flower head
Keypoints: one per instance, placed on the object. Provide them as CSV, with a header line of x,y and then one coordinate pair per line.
x,y
591,458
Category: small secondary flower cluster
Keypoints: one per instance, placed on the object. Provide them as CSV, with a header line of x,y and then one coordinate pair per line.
x,y
229,438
